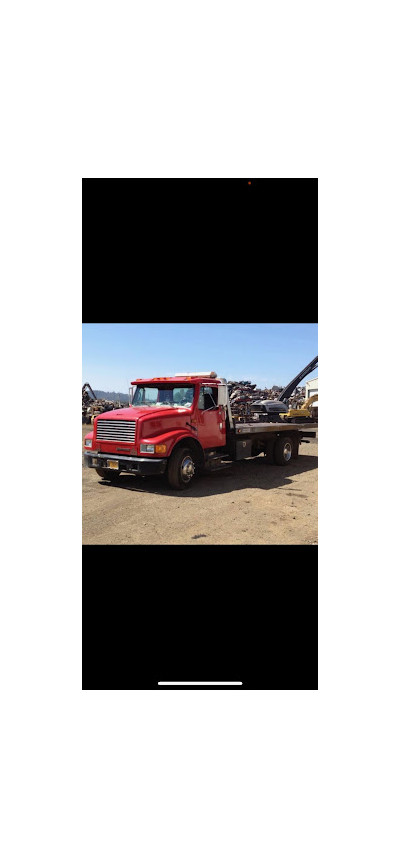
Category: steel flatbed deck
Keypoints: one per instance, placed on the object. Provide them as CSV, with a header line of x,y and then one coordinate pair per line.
x,y
270,427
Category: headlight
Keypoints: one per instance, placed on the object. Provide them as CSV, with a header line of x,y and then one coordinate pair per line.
x,y
88,444
146,447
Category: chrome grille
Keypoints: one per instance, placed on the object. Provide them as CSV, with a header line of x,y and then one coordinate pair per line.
x,y
114,429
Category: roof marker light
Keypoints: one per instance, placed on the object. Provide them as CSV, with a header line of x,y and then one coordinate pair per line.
x,y
210,374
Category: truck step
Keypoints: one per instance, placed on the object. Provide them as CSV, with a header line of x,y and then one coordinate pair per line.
x,y
219,457
218,462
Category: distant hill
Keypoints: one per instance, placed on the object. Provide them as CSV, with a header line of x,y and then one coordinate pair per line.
x,y
112,396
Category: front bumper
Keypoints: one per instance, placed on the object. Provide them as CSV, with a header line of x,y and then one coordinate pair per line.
x,y
137,466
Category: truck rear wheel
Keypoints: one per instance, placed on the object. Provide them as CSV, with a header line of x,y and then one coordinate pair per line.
x,y
181,468
110,475
284,450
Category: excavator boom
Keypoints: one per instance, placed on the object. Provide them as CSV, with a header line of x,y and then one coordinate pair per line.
x,y
286,393
310,400
89,388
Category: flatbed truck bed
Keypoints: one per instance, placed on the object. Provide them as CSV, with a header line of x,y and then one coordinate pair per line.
x,y
269,427
278,440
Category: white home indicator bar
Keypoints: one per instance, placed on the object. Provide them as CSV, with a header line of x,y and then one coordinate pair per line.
x,y
201,683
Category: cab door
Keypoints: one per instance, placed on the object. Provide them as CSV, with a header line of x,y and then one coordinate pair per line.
x,y
210,419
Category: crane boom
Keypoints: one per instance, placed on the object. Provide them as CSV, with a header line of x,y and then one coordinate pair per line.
x,y
87,387
286,393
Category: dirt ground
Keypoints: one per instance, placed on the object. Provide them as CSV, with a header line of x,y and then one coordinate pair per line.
x,y
249,503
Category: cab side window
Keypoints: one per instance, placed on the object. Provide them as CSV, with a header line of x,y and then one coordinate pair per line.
x,y
208,398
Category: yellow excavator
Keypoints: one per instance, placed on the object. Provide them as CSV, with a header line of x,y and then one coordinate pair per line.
x,y
302,412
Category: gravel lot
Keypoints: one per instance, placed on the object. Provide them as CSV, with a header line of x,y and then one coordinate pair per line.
x,y
249,503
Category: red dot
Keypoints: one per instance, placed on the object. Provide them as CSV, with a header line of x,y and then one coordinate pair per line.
x,y
249,182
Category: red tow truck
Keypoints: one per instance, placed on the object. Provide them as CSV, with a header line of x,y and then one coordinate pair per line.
x,y
183,425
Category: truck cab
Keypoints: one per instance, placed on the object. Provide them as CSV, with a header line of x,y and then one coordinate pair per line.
x,y
175,425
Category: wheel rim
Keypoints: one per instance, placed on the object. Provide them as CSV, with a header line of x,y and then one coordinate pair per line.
x,y
187,469
287,451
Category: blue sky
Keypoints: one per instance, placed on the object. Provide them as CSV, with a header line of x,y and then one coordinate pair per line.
x,y
265,353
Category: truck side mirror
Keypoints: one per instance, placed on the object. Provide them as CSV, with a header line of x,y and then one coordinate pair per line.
x,y
222,396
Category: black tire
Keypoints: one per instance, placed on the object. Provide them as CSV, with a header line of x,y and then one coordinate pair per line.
x,y
181,468
284,449
110,475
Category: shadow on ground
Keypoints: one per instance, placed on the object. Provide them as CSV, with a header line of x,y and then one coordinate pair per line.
x,y
253,473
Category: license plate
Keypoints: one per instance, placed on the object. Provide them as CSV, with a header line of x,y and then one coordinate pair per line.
x,y
113,465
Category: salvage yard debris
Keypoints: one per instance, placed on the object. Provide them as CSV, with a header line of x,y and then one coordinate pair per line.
x,y
246,391
243,394
93,406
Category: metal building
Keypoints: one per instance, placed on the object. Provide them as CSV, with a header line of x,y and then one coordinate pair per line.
x,y
312,389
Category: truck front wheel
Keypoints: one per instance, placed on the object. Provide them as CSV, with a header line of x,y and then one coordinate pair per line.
x,y
284,450
181,468
108,474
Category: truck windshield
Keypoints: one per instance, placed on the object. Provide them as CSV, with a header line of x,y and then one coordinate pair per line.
x,y
163,396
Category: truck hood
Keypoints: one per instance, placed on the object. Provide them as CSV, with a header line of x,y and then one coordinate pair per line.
x,y
134,413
